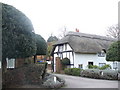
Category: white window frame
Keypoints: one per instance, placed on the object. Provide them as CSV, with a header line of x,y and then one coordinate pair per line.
x,y
10,63
101,64
115,65
80,66
101,54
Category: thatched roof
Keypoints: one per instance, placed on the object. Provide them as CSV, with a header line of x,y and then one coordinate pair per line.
x,y
86,43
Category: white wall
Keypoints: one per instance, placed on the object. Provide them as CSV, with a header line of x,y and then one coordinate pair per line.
x,y
85,58
80,58
69,55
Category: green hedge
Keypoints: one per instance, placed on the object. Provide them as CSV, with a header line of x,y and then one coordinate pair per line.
x,y
72,71
96,73
28,74
107,66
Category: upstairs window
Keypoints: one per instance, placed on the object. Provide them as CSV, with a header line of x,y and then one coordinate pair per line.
x,y
102,53
60,48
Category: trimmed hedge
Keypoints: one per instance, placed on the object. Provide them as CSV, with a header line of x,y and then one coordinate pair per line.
x,y
72,71
29,74
100,74
107,66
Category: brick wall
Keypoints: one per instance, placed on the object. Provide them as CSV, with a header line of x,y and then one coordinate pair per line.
x,y
58,65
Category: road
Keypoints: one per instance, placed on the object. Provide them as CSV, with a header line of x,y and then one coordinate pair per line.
x,y
80,82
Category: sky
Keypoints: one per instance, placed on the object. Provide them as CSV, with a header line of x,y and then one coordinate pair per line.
x,y
51,16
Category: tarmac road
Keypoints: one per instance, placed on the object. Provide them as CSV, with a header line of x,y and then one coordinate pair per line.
x,y
80,82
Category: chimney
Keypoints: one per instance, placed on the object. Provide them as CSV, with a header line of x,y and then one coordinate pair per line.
x,y
77,30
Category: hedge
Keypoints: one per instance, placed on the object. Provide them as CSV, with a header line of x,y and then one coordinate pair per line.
x,y
100,74
29,74
72,71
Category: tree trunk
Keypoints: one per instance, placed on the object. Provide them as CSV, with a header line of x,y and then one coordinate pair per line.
x,y
4,65
35,56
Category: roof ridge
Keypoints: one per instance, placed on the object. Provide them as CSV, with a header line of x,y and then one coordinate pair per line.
x,y
92,36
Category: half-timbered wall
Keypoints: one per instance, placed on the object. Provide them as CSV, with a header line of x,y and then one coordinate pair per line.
x,y
64,51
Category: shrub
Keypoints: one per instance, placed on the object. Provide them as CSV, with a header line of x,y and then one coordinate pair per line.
x,y
29,74
93,67
113,52
65,61
95,73
107,66
72,71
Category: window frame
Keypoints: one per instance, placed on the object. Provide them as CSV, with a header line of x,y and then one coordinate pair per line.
x,y
10,63
102,64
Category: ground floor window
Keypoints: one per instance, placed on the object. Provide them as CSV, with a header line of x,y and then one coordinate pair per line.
x,y
101,64
80,66
115,65
10,63
90,63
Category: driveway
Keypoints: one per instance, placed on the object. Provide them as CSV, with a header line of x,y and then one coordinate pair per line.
x,y
80,82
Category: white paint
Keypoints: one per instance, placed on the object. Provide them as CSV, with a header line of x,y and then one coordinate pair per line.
x,y
49,62
56,49
10,63
69,55
85,58
55,79
81,58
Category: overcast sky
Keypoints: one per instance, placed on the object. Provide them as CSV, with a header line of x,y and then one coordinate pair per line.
x,y
51,16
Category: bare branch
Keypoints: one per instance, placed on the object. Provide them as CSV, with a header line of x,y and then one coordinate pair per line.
x,y
113,31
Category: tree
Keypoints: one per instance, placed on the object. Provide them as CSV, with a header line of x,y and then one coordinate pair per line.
x,y
41,46
113,53
114,31
18,37
63,32
51,40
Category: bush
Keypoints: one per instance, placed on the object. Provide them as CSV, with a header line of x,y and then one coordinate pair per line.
x,y
72,71
95,73
113,52
65,61
107,66
93,67
29,74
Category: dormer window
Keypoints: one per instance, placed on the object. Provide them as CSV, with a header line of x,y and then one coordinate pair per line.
x,y
102,53
60,49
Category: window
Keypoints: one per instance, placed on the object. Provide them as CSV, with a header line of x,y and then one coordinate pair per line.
x,y
90,63
101,64
10,63
61,48
101,54
80,66
115,65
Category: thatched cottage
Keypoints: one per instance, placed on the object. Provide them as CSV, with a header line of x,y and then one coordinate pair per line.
x,y
83,50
